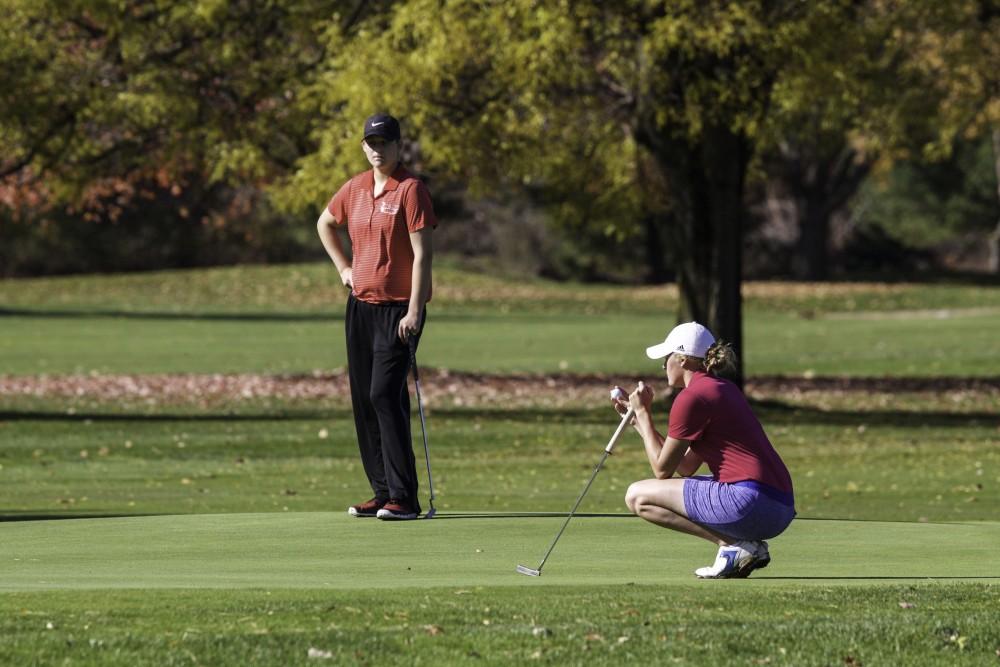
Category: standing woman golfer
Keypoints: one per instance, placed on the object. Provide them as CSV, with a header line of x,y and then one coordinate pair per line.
x,y
389,219
748,497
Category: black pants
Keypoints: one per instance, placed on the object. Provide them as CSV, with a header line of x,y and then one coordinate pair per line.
x,y
377,364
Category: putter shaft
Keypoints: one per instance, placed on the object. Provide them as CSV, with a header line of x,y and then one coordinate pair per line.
x,y
423,424
626,418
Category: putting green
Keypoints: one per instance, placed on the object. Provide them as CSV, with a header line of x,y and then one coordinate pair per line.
x,y
324,550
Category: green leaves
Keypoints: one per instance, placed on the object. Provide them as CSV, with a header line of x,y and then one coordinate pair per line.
x,y
544,94
118,89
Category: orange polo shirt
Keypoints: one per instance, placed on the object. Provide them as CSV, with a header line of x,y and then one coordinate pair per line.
x,y
380,228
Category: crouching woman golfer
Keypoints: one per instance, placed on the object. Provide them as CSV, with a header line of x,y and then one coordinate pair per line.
x,y
748,498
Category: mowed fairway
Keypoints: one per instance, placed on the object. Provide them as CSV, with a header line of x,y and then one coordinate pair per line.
x,y
331,551
775,343
186,527
288,320
271,588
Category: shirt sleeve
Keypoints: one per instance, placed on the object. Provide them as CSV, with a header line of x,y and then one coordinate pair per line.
x,y
688,417
419,209
338,205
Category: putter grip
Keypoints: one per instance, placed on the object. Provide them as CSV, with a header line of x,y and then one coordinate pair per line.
x,y
412,343
626,418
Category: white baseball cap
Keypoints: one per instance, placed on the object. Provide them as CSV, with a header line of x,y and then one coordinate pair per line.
x,y
690,338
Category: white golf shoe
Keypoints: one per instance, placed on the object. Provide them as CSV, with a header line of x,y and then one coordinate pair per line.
x,y
737,561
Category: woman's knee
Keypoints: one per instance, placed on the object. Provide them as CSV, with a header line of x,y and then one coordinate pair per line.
x,y
633,497
655,493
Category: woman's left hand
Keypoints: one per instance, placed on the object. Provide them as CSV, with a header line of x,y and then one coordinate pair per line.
x,y
619,400
408,326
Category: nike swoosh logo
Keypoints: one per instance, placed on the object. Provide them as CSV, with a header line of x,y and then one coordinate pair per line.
x,y
377,124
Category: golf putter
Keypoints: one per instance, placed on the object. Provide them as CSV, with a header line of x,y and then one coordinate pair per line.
x,y
626,418
423,423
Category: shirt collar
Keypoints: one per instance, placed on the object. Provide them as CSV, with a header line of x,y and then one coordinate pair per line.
x,y
400,174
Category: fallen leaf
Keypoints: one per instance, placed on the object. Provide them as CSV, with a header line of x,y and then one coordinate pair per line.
x,y
320,654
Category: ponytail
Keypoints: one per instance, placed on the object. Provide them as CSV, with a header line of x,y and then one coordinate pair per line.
x,y
720,360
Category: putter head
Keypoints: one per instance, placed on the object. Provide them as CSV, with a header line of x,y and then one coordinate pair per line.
x,y
430,513
528,571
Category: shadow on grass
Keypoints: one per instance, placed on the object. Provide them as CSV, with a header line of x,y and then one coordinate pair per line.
x,y
833,518
770,412
876,578
42,415
334,316
28,515
530,515
626,515
159,315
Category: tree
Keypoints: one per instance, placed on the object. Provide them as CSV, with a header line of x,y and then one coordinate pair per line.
x,y
995,235
922,203
154,122
96,90
640,120
639,117
951,65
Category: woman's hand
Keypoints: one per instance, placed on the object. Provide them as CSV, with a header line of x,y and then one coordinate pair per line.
x,y
619,400
347,277
408,326
641,399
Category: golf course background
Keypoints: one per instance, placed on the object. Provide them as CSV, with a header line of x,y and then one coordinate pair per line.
x,y
198,518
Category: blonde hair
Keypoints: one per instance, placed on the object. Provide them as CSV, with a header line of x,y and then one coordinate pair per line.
x,y
720,360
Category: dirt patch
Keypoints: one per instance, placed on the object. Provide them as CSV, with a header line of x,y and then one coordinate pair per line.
x,y
438,387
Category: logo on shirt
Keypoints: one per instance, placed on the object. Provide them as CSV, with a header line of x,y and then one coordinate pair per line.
x,y
680,348
386,207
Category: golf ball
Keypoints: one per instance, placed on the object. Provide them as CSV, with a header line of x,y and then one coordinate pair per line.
x,y
618,393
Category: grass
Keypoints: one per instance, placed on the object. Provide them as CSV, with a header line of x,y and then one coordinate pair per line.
x,y
775,344
286,319
313,289
331,551
254,561
267,588
901,465
874,624
217,533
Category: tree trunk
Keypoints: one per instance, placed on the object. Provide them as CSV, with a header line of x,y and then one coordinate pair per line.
x,y
705,228
812,257
994,265
822,176
657,271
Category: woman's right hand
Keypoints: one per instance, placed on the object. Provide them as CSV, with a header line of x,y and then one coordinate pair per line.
x,y
347,277
641,399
